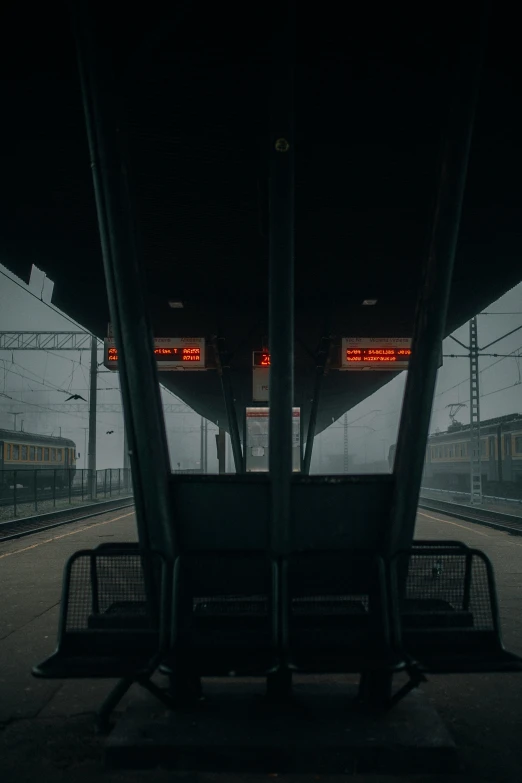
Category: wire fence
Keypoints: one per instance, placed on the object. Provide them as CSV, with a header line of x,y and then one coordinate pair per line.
x,y
38,489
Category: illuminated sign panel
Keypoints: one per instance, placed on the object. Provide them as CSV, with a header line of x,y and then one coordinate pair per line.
x,y
260,376
375,353
172,353
257,442
260,359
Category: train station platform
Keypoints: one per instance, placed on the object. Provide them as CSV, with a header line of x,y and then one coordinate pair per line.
x,y
47,727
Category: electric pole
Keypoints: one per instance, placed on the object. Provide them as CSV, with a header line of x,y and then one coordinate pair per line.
x,y
18,413
474,415
346,465
92,415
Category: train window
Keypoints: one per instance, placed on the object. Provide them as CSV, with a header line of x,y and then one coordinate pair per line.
x,y
507,445
31,453
482,448
491,446
24,452
518,444
53,455
8,451
46,455
16,452
58,455
39,453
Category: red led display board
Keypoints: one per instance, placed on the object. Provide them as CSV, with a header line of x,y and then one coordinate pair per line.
x,y
375,353
261,359
172,353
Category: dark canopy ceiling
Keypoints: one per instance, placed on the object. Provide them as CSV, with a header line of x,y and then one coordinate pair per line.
x,y
372,93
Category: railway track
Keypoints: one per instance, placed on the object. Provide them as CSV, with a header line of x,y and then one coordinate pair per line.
x,y
509,523
26,526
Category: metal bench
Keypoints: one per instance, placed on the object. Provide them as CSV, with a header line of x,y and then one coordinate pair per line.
x,y
446,605
337,623
109,627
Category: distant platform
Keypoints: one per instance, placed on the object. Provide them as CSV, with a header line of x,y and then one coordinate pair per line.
x,y
323,730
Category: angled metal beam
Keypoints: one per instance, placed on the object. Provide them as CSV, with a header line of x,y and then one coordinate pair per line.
x,y
321,362
125,289
430,318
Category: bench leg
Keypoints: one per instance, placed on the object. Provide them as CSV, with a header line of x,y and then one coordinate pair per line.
x,y
103,715
375,688
279,685
160,693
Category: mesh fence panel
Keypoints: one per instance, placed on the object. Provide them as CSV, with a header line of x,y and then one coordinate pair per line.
x,y
105,584
79,601
441,581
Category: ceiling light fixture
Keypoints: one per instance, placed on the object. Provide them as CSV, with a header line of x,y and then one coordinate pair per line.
x,y
369,301
175,304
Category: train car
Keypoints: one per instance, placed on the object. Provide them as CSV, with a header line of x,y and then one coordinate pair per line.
x,y
25,451
447,463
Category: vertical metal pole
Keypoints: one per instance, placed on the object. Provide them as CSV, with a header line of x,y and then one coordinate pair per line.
x,y
201,446
205,445
54,488
70,486
319,374
125,289
346,456
499,453
35,487
281,326
110,482
92,411
430,318
475,457
220,443
126,457
230,404
14,492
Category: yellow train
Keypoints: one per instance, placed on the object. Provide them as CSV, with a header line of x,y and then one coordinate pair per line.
x,y
26,451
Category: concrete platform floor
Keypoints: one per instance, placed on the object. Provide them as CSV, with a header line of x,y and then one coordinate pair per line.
x,y
46,728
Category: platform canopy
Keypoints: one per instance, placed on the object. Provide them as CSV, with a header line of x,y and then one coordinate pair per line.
x,y
372,95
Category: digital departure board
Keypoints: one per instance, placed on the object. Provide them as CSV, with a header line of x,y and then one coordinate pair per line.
x,y
172,353
375,353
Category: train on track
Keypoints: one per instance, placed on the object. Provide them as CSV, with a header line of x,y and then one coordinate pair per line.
x,y
25,452
447,462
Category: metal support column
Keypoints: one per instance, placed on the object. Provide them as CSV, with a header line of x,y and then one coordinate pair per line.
x,y
220,444
281,331
126,457
223,366
129,316
430,317
93,394
205,445
201,445
322,360
475,456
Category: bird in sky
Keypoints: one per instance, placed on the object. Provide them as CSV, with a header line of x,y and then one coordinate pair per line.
x,y
75,397
109,432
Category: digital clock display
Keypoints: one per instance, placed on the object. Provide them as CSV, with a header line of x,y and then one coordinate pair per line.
x,y
261,359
